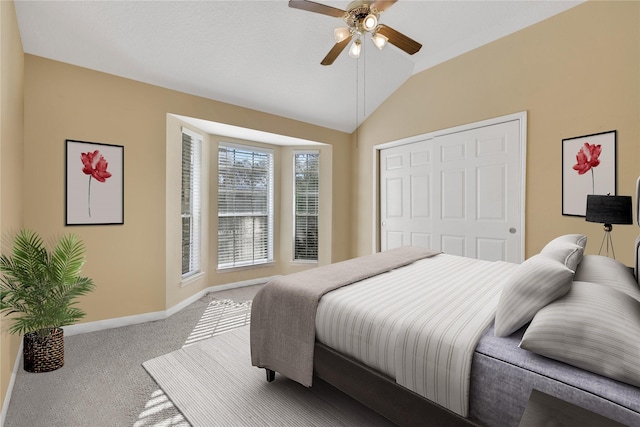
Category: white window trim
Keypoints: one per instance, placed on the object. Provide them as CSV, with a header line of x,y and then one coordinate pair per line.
x,y
293,237
196,272
271,210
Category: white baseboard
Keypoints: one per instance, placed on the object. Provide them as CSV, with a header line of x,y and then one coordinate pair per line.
x,y
99,325
7,397
242,284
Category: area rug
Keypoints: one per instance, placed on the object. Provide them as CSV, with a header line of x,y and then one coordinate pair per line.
x,y
213,383
219,317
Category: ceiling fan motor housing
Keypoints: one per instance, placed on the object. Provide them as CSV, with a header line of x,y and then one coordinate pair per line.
x,y
357,12
361,17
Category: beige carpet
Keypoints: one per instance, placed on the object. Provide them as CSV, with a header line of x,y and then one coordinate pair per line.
x,y
213,383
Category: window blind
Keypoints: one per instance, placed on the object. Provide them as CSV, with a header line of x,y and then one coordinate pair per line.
x,y
245,206
306,205
190,206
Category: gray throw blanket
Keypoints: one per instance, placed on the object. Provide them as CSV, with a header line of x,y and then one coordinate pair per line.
x,y
283,313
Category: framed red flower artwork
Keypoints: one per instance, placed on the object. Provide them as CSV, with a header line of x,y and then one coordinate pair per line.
x,y
94,183
588,167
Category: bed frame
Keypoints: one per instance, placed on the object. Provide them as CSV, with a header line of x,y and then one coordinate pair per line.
x,y
379,392
382,394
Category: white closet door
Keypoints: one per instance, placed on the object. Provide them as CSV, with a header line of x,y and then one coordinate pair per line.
x,y
460,192
476,184
406,209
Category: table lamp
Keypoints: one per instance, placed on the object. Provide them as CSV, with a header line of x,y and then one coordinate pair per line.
x,y
609,210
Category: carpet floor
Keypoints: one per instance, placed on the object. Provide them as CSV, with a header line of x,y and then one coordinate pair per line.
x,y
103,382
213,384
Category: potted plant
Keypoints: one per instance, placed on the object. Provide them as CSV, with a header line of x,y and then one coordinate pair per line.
x,y
39,288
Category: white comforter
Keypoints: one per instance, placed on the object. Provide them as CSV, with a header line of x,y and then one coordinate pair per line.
x,y
418,324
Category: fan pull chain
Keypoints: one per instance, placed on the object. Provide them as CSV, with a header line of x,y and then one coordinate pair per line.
x,y
357,96
364,80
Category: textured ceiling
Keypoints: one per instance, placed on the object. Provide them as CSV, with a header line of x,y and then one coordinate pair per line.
x,y
262,54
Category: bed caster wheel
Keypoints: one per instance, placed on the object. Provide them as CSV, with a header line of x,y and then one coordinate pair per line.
x,y
271,375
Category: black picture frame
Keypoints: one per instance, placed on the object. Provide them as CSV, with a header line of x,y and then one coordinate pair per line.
x,y
598,179
94,183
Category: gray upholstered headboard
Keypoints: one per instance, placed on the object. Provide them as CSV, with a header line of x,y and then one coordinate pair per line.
x,y
637,266
638,201
637,245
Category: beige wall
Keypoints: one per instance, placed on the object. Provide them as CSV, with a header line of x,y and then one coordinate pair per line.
x,y
11,161
127,262
575,74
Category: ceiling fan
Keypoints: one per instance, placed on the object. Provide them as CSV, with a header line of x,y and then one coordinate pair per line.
x,y
361,18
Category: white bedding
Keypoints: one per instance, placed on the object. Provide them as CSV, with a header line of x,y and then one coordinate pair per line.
x,y
409,321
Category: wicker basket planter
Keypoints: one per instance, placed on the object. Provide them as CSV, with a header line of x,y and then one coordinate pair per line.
x,y
43,354
39,285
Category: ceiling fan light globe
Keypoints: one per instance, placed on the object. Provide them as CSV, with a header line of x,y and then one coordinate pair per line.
x,y
340,34
370,22
354,51
379,40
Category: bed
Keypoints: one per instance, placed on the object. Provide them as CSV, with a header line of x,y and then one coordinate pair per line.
x,y
520,327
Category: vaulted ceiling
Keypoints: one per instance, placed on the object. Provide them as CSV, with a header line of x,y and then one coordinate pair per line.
x,y
265,55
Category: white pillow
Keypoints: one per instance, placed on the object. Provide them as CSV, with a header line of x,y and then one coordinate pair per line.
x,y
567,253
607,271
531,286
593,327
576,239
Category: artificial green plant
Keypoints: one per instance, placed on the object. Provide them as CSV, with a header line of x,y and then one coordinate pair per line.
x,y
39,287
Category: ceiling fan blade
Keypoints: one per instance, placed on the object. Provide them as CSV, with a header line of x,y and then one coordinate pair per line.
x,y
335,51
382,5
310,6
398,39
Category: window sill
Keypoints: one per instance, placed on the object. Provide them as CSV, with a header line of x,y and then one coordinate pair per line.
x,y
186,281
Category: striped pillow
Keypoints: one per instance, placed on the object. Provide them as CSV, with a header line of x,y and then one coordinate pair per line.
x,y
576,239
567,253
534,284
607,271
593,327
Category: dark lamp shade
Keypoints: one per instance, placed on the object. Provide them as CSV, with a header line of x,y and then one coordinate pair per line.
x,y
609,209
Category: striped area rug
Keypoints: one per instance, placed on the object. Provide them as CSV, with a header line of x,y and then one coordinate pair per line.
x,y
219,317
211,381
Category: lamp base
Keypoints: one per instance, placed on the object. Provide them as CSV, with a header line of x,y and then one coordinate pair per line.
x,y
607,238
